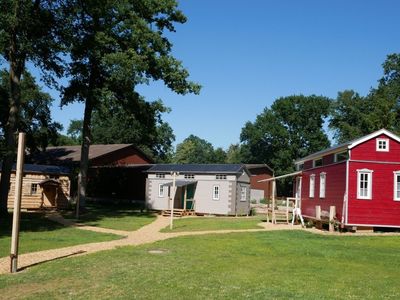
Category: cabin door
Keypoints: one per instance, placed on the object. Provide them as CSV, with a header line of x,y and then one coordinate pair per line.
x,y
189,191
49,196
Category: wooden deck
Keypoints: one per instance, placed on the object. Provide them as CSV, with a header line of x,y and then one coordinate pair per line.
x,y
179,212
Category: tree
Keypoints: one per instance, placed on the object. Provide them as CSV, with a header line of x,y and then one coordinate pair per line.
x,y
390,83
194,150
292,128
74,131
34,114
219,156
115,46
135,122
354,116
349,118
234,154
29,32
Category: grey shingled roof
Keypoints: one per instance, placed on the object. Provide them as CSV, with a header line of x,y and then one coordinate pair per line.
x,y
72,154
197,168
44,169
321,152
258,166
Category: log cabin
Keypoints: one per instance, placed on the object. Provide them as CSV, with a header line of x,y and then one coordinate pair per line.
x,y
43,187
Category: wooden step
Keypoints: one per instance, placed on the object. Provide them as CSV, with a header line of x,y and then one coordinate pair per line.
x,y
177,212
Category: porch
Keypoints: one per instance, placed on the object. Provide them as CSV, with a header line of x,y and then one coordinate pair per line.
x,y
183,198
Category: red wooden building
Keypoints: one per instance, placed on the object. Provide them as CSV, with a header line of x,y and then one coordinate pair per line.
x,y
260,190
361,178
115,172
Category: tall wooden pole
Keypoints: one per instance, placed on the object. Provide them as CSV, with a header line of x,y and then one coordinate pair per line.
x,y
273,202
78,196
17,203
171,224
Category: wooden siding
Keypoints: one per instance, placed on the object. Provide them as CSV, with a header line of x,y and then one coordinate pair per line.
x,y
44,197
125,156
308,165
367,151
264,186
328,159
334,192
381,209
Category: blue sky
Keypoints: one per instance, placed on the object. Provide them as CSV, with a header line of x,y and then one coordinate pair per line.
x,y
246,54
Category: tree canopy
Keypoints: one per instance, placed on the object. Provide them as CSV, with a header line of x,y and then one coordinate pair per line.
x,y
354,116
30,31
34,115
291,128
116,46
135,122
194,150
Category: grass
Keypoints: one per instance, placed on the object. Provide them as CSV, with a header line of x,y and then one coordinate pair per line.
x,y
214,223
38,233
119,217
261,265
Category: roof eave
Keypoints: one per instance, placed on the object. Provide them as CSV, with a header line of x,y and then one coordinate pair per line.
x,y
373,135
321,154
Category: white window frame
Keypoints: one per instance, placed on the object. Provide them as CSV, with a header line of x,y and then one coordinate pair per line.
x,y
340,153
243,193
369,184
378,148
312,184
215,192
161,190
34,188
317,159
396,188
322,187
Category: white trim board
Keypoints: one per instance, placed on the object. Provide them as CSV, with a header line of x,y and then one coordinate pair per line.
x,y
374,135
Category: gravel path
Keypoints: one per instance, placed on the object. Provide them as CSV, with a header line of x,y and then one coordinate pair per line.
x,y
147,234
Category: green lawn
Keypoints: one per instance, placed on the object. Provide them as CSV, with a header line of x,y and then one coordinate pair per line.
x,y
261,265
119,217
214,223
39,233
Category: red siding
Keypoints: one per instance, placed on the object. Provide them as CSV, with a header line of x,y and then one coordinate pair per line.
x,y
265,185
308,165
126,156
328,159
367,151
381,209
334,192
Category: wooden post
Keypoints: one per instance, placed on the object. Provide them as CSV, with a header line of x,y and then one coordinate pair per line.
x,y
318,212
17,204
174,174
273,202
185,199
78,199
332,214
287,210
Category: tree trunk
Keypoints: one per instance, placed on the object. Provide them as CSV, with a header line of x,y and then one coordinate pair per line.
x,y
10,132
16,68
84,163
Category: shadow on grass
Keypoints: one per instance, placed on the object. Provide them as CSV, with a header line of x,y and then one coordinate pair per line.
x,y
30,222
94,213
51,259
